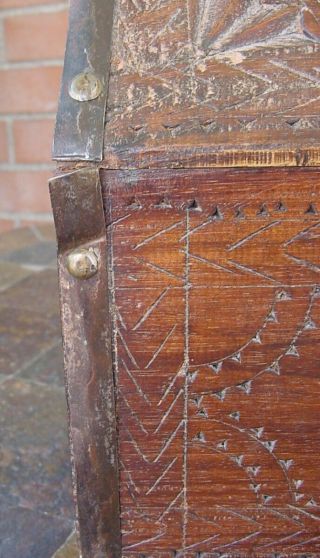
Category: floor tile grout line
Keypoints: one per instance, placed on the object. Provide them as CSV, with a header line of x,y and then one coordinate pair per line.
x,y
29,363
68,539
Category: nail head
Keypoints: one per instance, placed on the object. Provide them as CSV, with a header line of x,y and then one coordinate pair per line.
x,y
82,263
85,86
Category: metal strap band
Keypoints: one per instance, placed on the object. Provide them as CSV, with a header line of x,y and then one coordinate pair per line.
x,y
80,123
86,324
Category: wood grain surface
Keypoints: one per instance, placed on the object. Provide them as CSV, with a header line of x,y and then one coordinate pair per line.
x,y
214,83
216,313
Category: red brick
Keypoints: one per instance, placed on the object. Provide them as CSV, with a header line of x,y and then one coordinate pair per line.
x,y
6,225
36,36
3,143
29,90
24,191
33,140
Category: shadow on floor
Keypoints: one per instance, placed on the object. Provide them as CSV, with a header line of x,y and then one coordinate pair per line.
x,y
36,509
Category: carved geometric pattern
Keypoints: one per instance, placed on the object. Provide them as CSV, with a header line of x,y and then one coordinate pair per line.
x,y
216,305
242,74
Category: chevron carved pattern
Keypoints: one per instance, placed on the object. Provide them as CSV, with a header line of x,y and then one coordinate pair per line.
x,y
216,307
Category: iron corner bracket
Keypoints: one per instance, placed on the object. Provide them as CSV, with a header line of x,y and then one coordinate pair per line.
x,y
86,325
80,118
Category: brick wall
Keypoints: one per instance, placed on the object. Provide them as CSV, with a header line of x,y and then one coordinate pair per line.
x,y
32,41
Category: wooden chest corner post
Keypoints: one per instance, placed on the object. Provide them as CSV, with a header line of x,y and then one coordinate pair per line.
x,y
187,217
84,291
82,263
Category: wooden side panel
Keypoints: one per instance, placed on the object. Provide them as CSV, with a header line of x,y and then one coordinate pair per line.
x,y
216,305
214,83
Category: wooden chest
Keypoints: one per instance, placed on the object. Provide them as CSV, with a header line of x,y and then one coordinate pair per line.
x,y
186,204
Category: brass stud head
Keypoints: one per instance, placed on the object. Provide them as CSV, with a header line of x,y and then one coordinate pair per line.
x,y
82,263
85,86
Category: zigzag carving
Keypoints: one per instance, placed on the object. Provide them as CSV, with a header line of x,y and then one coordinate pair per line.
x,y
207,459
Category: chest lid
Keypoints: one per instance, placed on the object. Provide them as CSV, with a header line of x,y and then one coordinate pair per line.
x,y
194,83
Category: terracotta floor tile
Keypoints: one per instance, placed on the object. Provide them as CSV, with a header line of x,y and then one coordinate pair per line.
x,y
11,273
35,451
45,231
23,336
69,549
36,509
40,254
26,533
37,293
48,368
16,239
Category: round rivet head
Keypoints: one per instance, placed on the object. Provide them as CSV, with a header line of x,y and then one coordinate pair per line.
x,y
82,263
85,87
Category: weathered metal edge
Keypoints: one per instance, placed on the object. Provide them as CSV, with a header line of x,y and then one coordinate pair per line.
x,y
79,128
86,326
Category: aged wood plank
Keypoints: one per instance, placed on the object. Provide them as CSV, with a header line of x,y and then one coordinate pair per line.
x,y
216,313
214,83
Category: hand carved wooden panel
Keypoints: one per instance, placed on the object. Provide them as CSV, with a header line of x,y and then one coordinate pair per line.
x,y
198,80
211,318
216,315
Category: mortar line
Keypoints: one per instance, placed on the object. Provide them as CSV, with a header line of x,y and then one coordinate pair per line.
x,y
26,216
25,167
11,116
32,64
33,10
